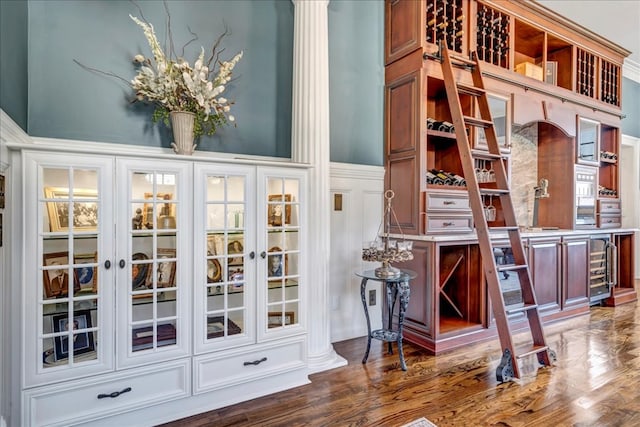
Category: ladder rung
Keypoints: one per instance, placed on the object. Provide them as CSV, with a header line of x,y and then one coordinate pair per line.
x,y
534,350
492,191
462,59
485,155
469,90
511,267
503,228
473,121
520,308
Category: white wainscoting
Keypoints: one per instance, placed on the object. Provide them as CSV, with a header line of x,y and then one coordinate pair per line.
x,y
361,188
630,189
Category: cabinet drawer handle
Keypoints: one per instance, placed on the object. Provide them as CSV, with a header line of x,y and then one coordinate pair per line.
x,y
107,264
114,394
448,202
255,362
447,224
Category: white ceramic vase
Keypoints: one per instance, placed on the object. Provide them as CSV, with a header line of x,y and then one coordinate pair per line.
x,y
182,125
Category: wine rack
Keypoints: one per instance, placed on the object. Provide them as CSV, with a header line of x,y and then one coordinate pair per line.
x,y
492,31
586,73
445,22
609,82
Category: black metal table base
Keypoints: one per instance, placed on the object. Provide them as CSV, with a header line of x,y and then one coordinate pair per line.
x,y
397,289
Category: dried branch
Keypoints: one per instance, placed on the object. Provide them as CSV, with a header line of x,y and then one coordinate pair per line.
x,y
214,50
172,52
106,73
195,37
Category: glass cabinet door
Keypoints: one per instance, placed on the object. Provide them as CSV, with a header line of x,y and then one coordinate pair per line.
x,y
588,141
500,107
225,238
281,272
68,292
153,272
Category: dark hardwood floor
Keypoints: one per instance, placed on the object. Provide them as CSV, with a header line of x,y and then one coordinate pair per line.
x,y
594,382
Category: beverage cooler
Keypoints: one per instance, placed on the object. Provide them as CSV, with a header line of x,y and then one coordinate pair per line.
x,y
602,275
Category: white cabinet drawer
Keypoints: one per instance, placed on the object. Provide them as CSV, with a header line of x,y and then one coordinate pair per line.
x,y
247,364
448,201
449,224
77,401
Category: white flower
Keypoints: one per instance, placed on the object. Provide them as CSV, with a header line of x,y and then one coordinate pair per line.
x,y
173,85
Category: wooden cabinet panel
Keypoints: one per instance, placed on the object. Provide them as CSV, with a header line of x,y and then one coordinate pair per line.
x,y
419,314
575,265
544,264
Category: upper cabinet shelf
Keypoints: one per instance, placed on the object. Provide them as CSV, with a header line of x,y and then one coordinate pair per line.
x,y
516,37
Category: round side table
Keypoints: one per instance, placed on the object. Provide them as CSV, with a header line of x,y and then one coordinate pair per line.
x,y
397,289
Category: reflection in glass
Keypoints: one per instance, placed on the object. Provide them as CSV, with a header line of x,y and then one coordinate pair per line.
x,y
235,216
85,246
215,217
142,245
84,306
215,188
52,177
235,318
86,277
588,136
235,188
219,326
142,312
236,296
292,264
145,336
216,302
140,271
83,180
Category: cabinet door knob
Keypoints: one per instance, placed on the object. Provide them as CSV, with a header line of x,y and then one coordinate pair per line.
x,y
252,255
122,263
107,264
263,254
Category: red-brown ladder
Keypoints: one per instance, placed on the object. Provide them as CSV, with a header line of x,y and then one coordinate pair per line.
x,y
508,367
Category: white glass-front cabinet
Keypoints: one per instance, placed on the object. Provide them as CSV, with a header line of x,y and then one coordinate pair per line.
x,y
84,257
249,283
248,236
147,281
68,293
153,262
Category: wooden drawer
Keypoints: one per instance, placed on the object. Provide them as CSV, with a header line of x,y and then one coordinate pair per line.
x,y
609,221
450,202
449,223
215,371
609,206
78,401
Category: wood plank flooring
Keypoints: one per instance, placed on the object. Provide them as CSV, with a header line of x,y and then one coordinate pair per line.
x,y
594,382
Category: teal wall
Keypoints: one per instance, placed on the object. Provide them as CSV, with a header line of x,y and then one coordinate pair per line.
x,y
356,79
13,60
631,107
66,101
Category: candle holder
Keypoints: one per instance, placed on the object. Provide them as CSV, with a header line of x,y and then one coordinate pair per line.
x,y
387,250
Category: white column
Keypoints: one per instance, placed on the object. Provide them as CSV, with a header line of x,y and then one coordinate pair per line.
x,y
310,144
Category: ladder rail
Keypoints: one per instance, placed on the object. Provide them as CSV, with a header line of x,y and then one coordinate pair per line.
x,y
509,364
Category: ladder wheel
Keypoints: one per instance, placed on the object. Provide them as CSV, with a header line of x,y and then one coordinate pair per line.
x,y
504,371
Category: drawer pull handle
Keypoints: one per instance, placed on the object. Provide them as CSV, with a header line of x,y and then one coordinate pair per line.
x,y
447,224
448,202
114,394
255,362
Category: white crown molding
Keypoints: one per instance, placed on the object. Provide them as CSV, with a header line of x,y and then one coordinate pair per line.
x,y
11,132
355,171
631,70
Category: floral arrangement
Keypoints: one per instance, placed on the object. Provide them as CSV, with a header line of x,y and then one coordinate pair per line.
x,y
173,85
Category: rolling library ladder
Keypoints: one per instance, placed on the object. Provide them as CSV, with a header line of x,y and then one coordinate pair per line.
x,y
508,367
